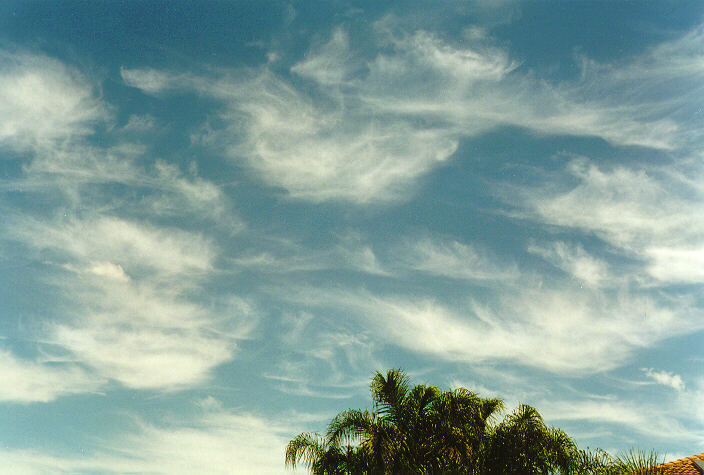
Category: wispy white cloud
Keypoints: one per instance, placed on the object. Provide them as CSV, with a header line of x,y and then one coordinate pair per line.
x,y
281,256
127,309
627,207
574,260
330,64
27,381
665,378
661,85
216,440
126,312
42,101
109,270
139,124
148,80
654,216
147,337
274,262
72,164
567,330
178,193
354,253
352,135
135,246
641,418
50,110
324,361
320,153
612,416
78,171
475,87
450,258
677,264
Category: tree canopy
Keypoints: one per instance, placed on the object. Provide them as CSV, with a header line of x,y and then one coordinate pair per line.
x,y
423,429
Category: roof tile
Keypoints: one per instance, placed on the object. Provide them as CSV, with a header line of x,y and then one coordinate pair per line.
x,y
685,466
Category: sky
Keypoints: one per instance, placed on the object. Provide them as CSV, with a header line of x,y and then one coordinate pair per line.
x,y
220,218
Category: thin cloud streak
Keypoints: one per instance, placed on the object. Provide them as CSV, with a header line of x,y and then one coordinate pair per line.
x,y
215,441
641,418
450,258
566,331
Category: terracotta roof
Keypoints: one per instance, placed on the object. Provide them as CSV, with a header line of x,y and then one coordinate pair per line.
x,y
685,466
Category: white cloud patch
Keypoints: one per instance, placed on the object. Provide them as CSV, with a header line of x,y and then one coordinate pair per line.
x,y
476,87
678,264
568,330
109,271
42,101
130,315
148,337
331,64
128,309
72,164
327,364
640,418
574,260
282,256
665,378
352,252
319,154
148,80
179,193
77,170
50,109
129,244
626,207
139,124
26,381
654,215
450,258
215,441
668,88
357,137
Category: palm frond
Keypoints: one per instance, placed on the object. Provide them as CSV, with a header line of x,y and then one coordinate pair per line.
x,y
306,448
422,397
352,423
389,392
636,460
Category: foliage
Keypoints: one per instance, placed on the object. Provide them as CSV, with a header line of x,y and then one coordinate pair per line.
x,y
422,429
324,458
522,443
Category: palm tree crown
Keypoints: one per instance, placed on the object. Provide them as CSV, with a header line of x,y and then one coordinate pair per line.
x,y
410,429
425,430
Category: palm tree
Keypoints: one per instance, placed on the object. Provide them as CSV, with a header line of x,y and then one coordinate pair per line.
x,y
633,461
324,458
522,443
392,435
426,430
420,429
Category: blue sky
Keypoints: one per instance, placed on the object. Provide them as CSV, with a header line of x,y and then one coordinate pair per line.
x,y
220,218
